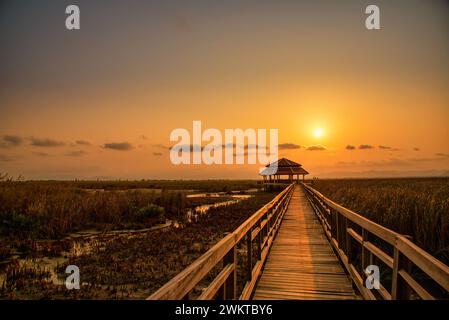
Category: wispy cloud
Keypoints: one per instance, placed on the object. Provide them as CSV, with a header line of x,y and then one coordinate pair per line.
x,y
120,146
82,142
6,158
365,147
317,147
190,148
440,154
47,142
160,146
288,146
392,162
350,147
376,163
78,153
41,154
10,141
387,148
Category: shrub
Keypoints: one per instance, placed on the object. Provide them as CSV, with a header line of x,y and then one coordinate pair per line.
x,y
151,211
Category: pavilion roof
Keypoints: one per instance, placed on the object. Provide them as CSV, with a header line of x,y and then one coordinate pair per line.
x,y
283,167
283,162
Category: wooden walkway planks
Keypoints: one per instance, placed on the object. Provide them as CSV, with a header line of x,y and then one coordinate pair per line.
x,y
301,263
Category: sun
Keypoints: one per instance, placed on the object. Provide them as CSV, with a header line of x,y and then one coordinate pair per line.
x,y
318,132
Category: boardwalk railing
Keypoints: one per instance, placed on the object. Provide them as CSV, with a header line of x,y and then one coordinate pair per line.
x,y
359,242
256,234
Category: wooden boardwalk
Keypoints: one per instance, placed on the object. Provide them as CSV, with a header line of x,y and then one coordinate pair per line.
x,y
301,263
294,260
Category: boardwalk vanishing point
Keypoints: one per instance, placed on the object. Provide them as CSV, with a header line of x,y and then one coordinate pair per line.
x,y
301,264
302,245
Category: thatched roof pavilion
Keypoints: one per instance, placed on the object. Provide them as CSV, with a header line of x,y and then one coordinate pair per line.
x,y
273,172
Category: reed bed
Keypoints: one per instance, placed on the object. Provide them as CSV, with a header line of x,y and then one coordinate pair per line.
x,y
49,211
36,218
418,207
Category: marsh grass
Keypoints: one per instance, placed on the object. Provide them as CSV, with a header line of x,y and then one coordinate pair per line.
x,y
47,211
418,207
130,267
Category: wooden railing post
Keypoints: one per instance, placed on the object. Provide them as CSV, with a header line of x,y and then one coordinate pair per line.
x,y
367,256
249,261
335,234
259,243
348,242
342,233
399,287
230,285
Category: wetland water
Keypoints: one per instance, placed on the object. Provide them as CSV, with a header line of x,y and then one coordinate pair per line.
x,y
83,242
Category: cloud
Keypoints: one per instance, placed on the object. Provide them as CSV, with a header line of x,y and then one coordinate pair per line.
x,y
288,146
240,149
160,146
251,147
254,147
440,154
120,146
434,159
10,141
416,149
375,163
75,153
41,154
390,162
388,148
6,158
82,142
157,154
349,147
45,142
365,146
231,146
317,147
191,147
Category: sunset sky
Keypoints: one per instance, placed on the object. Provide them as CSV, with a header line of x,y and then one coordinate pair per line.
x,y
101,102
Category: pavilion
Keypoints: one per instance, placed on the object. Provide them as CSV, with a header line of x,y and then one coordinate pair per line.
x,y
273,172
